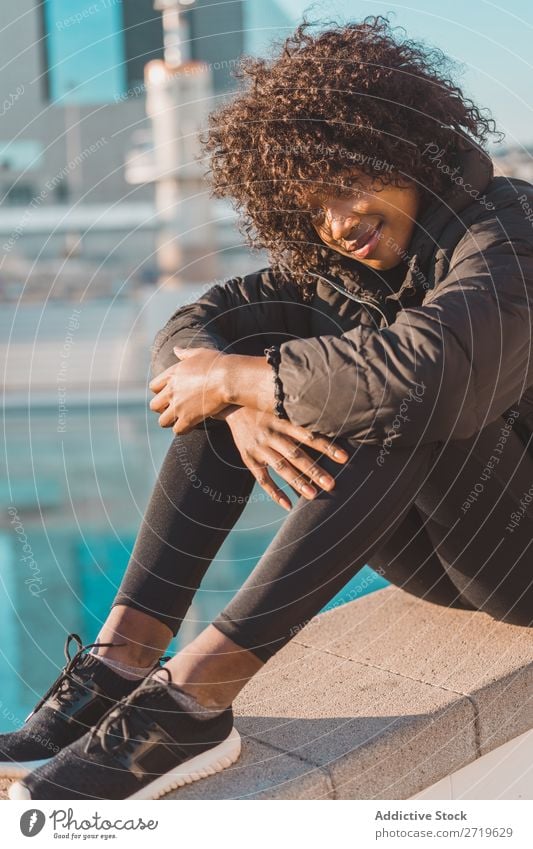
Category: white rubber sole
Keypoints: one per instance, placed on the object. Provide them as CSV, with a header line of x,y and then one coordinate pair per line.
x,y
18,769
208,763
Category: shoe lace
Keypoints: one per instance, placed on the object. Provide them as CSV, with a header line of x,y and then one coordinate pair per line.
x,y
113,728
67,685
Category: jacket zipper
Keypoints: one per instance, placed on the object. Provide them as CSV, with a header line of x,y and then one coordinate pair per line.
x,y
348,294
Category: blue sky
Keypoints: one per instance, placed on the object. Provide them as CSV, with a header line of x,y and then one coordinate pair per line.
x,y
491,40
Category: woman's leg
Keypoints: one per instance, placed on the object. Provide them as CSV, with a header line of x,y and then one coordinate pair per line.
x,y
320,546
477,506
199,495
325,542
409,561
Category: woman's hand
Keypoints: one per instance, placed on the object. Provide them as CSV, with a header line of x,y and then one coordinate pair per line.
x,y
205,382
191,390
265,440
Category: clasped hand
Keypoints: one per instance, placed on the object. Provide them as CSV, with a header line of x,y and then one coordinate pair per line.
x,y
189,391
196,387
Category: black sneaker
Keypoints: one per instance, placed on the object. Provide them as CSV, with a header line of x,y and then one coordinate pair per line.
x,y
83,692
141,749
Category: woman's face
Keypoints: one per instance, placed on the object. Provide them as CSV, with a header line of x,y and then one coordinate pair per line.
x,y
371,222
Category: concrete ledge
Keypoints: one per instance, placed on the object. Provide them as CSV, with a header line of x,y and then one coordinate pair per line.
x,y
378,699
383,698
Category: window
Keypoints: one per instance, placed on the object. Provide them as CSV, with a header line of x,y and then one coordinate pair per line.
x,y
84,50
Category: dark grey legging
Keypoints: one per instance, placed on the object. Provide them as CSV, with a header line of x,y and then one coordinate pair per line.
x,y
451,523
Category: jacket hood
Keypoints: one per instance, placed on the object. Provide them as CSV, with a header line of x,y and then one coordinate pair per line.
x,y
475,171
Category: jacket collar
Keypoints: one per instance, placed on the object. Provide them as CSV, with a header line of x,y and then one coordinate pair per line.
x,y
473,171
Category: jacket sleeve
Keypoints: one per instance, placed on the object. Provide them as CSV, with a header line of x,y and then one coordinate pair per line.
x,y
442,370
242,315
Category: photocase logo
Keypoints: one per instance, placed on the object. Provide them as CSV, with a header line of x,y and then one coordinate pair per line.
x,y
32,822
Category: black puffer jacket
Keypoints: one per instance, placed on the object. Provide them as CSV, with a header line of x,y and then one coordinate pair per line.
x,y
441,345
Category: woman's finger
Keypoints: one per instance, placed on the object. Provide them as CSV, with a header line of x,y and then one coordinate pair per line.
x,y
182,425
317,442
160,381
160,402
290,473
168,417
260,473
303,462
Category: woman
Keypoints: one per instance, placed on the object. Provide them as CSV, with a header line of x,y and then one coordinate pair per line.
x,y
380,365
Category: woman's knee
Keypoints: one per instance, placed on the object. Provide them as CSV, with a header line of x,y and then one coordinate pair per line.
x,y
382,455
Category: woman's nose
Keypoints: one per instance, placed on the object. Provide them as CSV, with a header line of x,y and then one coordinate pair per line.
x,y
339,225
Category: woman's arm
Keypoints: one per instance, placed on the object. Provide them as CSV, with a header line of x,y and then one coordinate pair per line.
x,y
244,313
442,370
204,382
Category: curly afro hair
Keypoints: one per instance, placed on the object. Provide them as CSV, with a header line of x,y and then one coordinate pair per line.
x,y
331,100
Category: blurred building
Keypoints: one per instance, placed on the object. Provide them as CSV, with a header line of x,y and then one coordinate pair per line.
x,y
78,67
77,207
73,78
101,197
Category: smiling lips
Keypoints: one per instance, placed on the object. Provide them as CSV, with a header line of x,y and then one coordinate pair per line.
x,y
363,239
365,243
